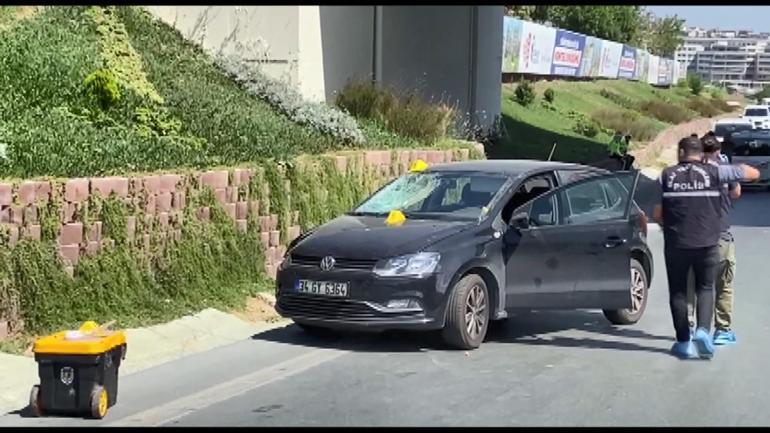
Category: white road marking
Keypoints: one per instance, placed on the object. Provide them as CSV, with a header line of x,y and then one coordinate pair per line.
x,y
181,407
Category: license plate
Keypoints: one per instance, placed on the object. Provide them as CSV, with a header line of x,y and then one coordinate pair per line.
x,y
323,288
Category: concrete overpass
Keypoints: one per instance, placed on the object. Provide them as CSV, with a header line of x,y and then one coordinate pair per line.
x,y
451,53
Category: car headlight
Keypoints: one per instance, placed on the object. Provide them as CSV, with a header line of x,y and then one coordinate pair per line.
x,y
412,265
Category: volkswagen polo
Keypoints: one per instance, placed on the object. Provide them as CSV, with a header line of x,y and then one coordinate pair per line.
x,y
455,246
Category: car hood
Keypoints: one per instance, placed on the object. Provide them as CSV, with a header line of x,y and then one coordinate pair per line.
x,y
368,238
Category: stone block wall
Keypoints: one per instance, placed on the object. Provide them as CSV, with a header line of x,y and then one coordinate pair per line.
x,y
159,202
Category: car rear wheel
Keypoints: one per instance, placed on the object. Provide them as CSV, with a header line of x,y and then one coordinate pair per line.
x,y
639,289
467,318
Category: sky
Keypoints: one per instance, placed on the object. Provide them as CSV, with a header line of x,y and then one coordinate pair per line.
x,y
756,18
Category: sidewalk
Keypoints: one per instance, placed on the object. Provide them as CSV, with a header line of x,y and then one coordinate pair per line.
x,y
147,347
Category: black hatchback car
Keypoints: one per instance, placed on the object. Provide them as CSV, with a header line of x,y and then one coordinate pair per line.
x,y
480,239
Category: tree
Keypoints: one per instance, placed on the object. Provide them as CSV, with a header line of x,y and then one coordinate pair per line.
x,y
695,84
528,13
660,36
764,93
614,23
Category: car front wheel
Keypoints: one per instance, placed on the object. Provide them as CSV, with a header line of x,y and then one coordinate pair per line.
x,y
467,317
639,289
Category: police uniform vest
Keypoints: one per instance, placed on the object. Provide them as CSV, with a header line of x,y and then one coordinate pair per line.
x,y
692,205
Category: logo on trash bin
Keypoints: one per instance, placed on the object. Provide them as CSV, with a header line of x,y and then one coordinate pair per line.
x,y
67,375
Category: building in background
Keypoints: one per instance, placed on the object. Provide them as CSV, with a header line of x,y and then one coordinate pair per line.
x,y
447,53
736,59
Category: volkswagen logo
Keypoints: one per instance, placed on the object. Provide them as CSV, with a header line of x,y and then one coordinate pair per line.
x,y
327,263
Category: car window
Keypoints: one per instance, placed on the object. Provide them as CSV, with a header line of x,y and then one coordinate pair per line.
x,y
436,194
756,112
531,188
543,211
601,199
723,129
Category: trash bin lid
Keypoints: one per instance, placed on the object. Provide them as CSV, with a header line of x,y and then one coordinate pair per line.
x,y
88,340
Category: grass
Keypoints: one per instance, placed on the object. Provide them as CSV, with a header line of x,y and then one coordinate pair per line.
x,y
177,108
631,107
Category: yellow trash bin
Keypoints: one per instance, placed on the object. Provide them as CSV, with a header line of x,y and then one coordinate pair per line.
x,y
78,371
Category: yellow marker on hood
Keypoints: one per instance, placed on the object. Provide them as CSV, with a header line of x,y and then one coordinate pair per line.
x,y
395,218
418,166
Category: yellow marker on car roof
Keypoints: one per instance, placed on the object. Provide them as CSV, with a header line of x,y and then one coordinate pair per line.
x,y
418,166
395,218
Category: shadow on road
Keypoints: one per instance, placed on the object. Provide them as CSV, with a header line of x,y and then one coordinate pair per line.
x,y
529,329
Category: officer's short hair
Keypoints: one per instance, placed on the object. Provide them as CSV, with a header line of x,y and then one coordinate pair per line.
x,y
691,145
711,144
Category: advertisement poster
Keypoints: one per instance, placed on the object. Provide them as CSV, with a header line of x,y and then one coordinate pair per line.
x,y
627,65
511,44
642,65
665,72
567,53
652,71
589,64
537,43
611,52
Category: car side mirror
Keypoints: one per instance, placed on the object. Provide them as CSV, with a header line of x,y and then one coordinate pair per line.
x,y
520,221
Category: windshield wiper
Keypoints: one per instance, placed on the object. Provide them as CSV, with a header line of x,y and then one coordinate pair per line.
x,y
373,214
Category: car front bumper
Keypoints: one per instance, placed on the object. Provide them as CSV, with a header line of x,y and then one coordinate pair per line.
x,y
365,307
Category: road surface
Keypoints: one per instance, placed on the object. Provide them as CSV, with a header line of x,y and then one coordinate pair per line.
x,y
568,368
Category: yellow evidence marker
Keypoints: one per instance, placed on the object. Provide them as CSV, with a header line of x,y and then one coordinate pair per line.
x,y
395,218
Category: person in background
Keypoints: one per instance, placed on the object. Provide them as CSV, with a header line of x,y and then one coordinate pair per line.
x,y
723,333
690,214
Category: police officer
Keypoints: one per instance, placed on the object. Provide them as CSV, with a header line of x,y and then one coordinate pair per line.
x,y
690,214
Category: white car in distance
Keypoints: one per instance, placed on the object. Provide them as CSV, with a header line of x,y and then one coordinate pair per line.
x,y
758,115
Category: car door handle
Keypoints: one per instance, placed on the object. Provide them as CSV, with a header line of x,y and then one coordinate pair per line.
x,y
614,241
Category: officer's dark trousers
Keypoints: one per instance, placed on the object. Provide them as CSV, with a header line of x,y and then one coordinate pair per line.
x,y
704,263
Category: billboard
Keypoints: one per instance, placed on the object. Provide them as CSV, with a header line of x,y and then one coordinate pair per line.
x,y
642,65
627,64
530,48
511,44
665,72
589,64
652,72
536,54
610,61
567,53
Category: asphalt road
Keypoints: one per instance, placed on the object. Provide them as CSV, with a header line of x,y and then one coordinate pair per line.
x,y
561,368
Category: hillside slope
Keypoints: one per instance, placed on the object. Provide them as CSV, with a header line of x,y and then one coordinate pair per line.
x,y
609,105
97,90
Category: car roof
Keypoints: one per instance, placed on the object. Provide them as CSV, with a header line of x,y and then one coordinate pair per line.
x,y
732,121
756,106
509,167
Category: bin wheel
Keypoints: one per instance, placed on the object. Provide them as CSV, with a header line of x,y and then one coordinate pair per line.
x,y
99,402
34,401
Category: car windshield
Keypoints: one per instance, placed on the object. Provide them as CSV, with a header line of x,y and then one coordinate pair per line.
x,y
753,147
756,112
726,128
435,195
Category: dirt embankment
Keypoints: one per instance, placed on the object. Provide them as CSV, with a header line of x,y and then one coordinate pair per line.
x,y
661,151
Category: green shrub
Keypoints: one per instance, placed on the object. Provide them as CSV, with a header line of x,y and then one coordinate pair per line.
x,y
641,129
549,95
665,111
524,93
695,84
405,114
103,86
702,106
586,127
619,99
